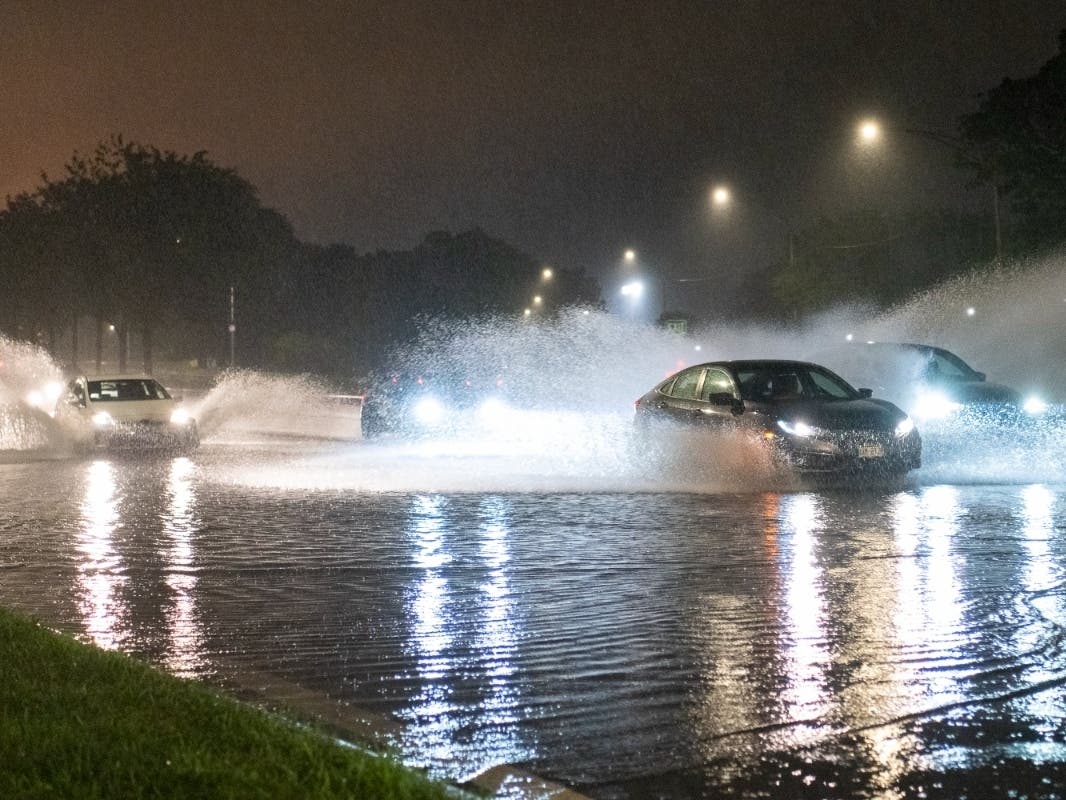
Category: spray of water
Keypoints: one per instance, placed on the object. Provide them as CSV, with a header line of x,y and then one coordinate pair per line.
x,y
247,403
28,377
571,381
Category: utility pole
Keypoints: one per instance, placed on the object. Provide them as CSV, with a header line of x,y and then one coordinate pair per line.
x,y
232,326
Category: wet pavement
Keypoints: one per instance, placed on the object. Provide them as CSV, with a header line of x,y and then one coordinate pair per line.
x,y
625,639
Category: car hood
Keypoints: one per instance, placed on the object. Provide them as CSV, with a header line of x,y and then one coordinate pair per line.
x,y
137,410
839,415
976,392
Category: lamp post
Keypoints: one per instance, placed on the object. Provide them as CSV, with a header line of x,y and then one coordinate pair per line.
x,y
721,197
870,134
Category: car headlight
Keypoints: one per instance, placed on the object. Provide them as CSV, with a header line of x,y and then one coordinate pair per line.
x,y
493,411
179,416
795,428
428,411
905,427
1034,405
45,398
935,405
101,419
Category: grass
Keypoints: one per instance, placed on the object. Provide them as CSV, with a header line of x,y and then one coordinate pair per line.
x,y
80,722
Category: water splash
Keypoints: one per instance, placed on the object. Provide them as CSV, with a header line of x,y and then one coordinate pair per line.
x,y
247,403
26,374
574,378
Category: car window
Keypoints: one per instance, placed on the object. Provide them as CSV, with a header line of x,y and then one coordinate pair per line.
x,y
771,383
716,381
945,366
685,385
126,389
825,385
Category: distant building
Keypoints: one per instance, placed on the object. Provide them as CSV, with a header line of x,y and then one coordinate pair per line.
x,y
678,323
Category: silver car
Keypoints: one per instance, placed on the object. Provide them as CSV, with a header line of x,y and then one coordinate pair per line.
x,y
124,412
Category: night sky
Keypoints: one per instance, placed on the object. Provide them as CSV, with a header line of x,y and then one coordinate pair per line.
x,y
570,129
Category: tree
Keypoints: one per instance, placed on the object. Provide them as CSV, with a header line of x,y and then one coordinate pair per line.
x,y
145,238
876,257
1017,139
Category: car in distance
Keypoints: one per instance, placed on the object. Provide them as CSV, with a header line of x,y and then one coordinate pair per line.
x,y
413,406
930,382
124,412
813,421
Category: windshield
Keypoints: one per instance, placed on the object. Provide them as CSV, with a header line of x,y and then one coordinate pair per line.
x,y
942,364
770,383
126,389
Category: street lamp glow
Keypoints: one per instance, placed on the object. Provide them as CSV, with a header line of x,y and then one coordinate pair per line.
x,y
527,312
633,290
720,196
547,274
630,256
971,311
869,131
537,300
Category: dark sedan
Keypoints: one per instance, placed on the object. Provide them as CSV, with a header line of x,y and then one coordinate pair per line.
x,y
931,382
812,419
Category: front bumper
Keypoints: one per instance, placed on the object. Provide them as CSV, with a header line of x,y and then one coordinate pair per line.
x,y
851,452
145,435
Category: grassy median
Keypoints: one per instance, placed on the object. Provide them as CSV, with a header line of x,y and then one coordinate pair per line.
x,y
80,722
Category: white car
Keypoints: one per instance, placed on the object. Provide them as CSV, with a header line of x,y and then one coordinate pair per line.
x,y
105,412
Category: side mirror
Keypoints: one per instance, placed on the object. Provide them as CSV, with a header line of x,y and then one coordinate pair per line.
x,y
866,393
981,376
720,399
737,407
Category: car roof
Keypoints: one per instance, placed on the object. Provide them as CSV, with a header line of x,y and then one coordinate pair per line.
x,y
761,363
116,377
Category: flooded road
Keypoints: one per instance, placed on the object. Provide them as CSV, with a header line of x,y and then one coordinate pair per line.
x,y
627,639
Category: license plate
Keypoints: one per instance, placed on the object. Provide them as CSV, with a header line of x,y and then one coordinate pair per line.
x,y
871,451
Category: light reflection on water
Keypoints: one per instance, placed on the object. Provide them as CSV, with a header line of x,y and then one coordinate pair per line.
x,y
101,572
626,643
185,656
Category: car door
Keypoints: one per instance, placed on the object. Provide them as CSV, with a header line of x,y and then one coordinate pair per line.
x,y
718,398
678,400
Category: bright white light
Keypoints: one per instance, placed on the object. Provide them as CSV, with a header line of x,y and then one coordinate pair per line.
x,y
869,131
698,347
526,313
633,289
1034,405
935,405
45,398
429,411
180,417
493,412
630,256
102,419
904,428
795,428
537,300
971,311
849,337
547,273
720,196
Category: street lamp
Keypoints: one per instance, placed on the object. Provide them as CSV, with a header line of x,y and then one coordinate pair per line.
x,y
869,131
546,274
870,134
630,256
720,196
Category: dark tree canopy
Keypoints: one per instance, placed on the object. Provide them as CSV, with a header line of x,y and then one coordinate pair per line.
x,y
151,242
1017,137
